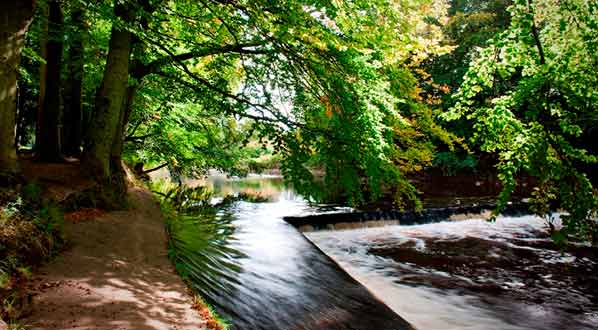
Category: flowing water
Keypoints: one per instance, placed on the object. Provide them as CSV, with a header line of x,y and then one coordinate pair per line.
x,y
469,274
472,274
278,279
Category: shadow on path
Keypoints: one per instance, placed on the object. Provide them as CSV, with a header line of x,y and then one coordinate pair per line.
x,y
116,275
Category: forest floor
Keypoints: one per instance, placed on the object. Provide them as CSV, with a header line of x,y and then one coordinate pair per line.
x,y
114,274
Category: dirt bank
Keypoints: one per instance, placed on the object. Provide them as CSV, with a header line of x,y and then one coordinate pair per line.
x,y
115,275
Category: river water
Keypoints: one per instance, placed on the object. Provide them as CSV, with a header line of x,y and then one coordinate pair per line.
x,y
468,274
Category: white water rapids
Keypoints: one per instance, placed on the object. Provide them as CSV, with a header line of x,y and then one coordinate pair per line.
x,y
430,308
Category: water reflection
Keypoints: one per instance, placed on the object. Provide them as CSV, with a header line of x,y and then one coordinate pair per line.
x,y
254,188
201,248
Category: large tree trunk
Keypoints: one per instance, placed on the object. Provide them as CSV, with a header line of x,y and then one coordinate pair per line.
x,y
49,142
15,17
43,52
107,122
72,119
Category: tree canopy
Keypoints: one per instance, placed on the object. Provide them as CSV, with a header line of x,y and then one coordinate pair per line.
x,y
532,96
356,98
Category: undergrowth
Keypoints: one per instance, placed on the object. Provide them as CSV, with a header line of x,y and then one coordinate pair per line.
x,y
30,233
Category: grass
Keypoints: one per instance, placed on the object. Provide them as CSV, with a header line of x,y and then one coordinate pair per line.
x,y
16,326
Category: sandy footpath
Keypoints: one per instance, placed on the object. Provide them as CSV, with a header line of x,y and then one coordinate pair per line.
x,y
115,275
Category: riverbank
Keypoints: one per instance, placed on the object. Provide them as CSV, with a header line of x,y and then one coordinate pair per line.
x,y
112,272
115,275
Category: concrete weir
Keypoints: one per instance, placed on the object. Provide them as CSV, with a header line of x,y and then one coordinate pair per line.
x,y
360,219
284,282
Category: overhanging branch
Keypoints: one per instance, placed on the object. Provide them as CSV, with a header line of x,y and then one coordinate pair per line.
x,y
140,70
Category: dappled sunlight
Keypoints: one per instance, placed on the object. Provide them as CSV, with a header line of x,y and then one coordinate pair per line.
x,y
116,275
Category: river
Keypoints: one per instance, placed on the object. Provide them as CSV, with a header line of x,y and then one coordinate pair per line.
x,y
467,274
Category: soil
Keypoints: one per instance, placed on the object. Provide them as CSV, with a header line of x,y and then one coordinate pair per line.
x,y
115,275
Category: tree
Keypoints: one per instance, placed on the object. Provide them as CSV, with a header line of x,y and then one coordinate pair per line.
x,y
73,112
48,142
104,132
295,66
531,95
471,24
15,18
325,81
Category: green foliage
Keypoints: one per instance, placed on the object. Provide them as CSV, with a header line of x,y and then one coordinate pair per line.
x,y
470,25
532,93
316,80
452,163
32,193
191,140
182,197
334,91
30,232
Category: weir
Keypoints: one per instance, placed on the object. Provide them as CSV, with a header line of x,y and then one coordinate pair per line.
x,y
360,219
285,282
440,269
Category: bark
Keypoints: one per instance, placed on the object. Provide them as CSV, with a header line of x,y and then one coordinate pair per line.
x,y
48,145
73,118
99,154
119,138
43,52
15,17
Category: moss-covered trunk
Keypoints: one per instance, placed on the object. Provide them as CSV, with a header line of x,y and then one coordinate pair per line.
x,y
15,17
108,115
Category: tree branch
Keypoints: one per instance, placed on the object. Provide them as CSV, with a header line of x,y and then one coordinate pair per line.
x,y
278,117
535,35
140,70
155,168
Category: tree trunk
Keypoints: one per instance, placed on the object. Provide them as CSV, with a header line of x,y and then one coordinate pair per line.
x,y
43,52
72,99
107,122
49,143
15,17
119,140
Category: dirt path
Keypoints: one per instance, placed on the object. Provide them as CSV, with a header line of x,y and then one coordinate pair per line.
x,y
116,275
